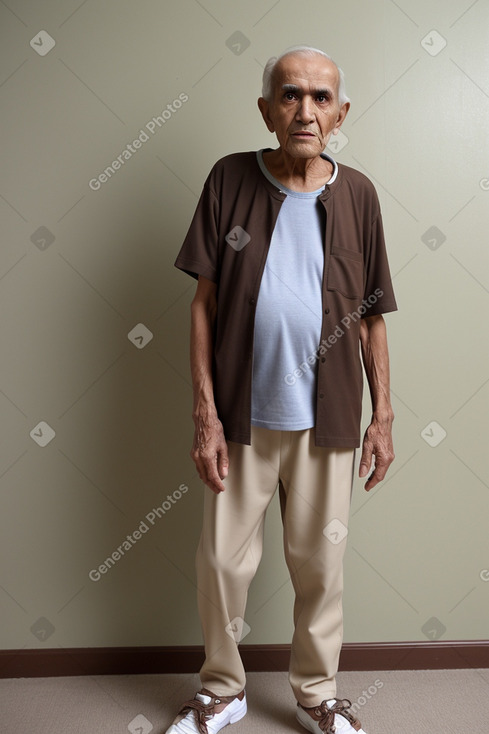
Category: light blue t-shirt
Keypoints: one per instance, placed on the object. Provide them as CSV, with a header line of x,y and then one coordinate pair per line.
x,y
289,313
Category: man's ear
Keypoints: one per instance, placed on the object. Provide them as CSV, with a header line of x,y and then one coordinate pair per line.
x,y
341,117
264,108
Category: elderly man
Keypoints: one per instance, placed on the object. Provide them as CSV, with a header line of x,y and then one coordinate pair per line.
x,y
293,279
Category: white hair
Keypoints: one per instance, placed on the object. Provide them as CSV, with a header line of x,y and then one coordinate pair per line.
x,y
267,88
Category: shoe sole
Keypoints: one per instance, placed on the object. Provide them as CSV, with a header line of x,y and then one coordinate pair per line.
x,y
240,713
237,715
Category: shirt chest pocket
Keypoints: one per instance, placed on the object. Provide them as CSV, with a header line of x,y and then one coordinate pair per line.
x,y
345,272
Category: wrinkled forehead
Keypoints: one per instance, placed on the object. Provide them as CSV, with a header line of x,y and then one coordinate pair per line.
x,y
309,73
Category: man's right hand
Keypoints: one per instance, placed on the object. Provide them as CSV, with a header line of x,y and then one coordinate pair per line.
x,y
210,452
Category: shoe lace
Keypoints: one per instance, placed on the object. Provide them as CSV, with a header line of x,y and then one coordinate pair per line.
x,y
204,711
326,715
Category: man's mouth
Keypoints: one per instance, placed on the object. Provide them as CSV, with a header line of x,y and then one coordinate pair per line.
x,y
303,134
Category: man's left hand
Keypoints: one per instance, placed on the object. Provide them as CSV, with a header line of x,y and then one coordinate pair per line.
x,y
377,443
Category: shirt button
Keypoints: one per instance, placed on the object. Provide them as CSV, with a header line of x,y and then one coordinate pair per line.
x,y
321,395
326,310
323,359
252,301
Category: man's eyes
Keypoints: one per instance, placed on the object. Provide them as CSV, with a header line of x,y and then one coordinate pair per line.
x,y
321,98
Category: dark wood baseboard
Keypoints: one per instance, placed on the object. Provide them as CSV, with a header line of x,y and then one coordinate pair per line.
x,y
137,660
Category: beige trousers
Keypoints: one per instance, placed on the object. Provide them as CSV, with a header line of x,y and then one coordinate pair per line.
x,y
315,491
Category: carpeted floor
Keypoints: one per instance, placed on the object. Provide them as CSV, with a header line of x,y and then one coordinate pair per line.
x,y
404,702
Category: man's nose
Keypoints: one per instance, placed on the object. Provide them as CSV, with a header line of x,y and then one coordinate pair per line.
x,y
305,111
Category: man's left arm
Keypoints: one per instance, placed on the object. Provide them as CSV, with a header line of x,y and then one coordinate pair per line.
x,y
377,441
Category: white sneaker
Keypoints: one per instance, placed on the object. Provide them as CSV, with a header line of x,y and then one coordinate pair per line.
x,y
334,718
197,716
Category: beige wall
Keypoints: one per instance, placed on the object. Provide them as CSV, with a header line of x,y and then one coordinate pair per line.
x,y
418,554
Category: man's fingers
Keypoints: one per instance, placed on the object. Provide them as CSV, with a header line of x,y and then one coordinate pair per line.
x,y
211,478
381,466
377,476
214,482
208,472
364,469
223,463
365,461
210,455
371,483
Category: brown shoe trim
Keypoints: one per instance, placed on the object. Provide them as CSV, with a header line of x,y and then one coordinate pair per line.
x,y
345,704
227,699
204,711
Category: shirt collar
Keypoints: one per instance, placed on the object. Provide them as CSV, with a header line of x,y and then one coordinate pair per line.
x,y
279,186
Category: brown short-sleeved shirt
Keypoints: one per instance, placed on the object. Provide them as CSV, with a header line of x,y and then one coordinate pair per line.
x,y
228,243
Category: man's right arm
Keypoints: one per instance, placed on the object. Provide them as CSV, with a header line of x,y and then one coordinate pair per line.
x,y
209,450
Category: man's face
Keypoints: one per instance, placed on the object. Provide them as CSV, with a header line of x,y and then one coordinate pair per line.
x,y
304,110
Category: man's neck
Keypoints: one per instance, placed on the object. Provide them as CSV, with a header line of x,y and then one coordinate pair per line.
x,y
298,174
